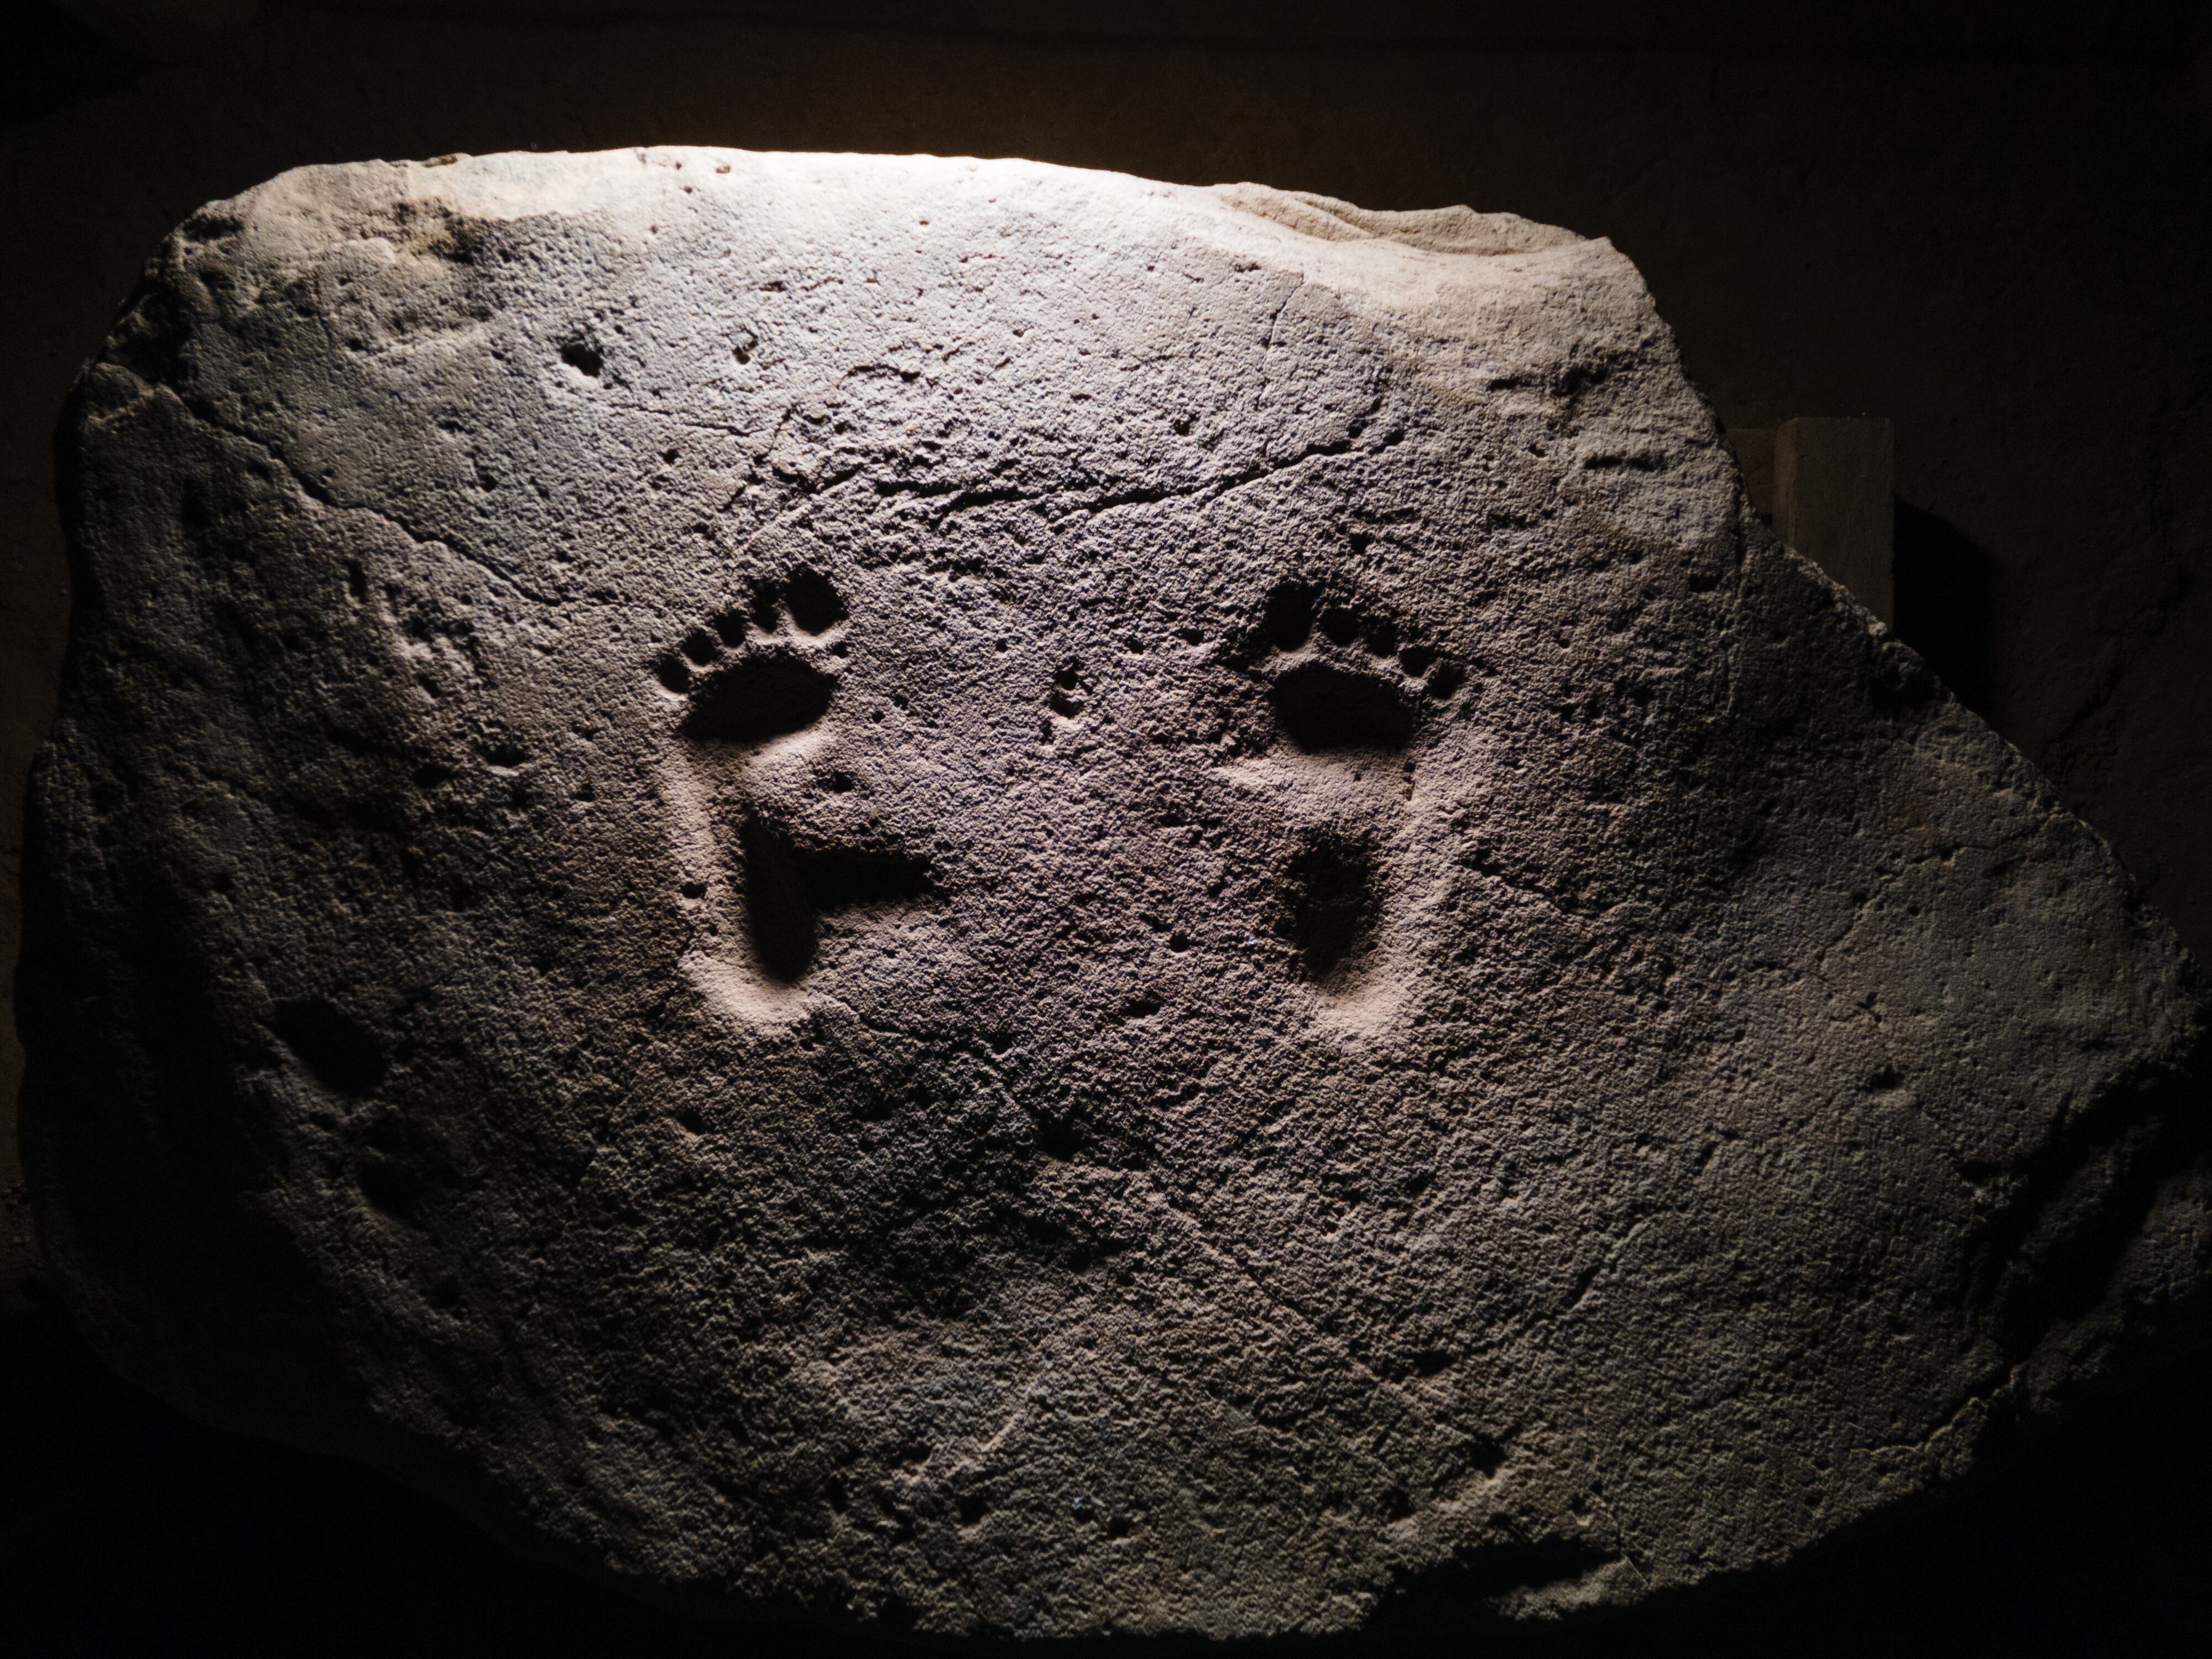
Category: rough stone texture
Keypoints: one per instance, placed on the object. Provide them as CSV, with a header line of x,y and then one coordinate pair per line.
x,y
965,893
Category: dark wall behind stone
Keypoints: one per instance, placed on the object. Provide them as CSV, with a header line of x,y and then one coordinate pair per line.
x,y
1997,237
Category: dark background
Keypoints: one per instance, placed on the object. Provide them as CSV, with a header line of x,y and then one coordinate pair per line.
x,y
1989,222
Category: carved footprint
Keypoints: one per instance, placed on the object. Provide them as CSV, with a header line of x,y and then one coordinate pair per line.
x,y
1344,686
753,675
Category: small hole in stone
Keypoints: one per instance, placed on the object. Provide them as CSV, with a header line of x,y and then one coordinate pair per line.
x,y
1059,1138
813,603
584,358
1289,619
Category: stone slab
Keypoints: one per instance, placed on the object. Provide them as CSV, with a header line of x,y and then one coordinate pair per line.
x,y
994,899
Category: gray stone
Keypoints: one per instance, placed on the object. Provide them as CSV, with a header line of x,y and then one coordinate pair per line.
x,y
962,893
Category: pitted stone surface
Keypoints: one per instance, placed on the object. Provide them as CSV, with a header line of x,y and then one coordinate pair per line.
x,y
963,893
